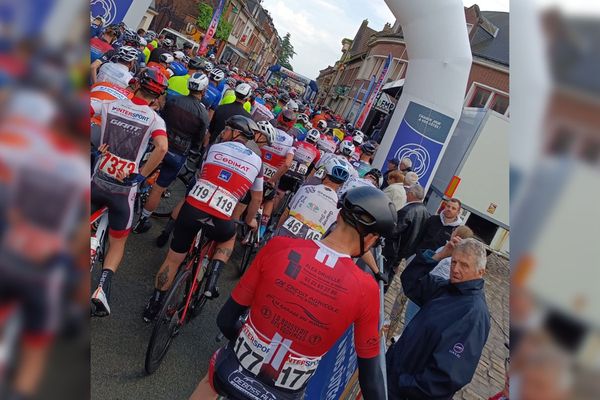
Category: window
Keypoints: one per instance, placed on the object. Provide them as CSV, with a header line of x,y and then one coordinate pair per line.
x,y
480,97
239,25
562,142
591,152
499,103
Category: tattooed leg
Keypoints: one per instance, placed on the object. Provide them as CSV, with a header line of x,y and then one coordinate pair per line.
x,y
168,270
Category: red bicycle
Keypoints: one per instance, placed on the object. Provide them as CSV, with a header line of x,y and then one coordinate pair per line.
x,y
184,301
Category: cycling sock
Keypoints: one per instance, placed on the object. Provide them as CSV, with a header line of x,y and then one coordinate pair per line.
x,y
158,295
105,281
146,214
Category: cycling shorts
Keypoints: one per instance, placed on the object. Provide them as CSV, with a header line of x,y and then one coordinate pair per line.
x,y
189,222
169,169
119,200
228,378
40,291
289,183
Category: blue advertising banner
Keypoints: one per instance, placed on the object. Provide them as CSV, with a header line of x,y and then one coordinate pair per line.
x,y
334,371
421,138
113,11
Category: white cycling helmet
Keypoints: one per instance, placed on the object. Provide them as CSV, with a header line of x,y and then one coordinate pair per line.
x,y
357,140
167,58
268,130
127,53
346,148
358,133
179,55
338,170
302,118
243,90
208,66
167,42
292,106
143,42
216,75
313,136
235,69
198,82
211,57
322,124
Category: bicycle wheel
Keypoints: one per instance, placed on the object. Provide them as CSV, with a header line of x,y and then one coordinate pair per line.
x,y
247,255
170,198
167,322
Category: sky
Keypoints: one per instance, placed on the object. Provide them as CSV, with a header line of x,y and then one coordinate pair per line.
x,y
317,27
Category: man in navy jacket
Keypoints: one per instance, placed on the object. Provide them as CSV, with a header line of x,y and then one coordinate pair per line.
x,y
439,350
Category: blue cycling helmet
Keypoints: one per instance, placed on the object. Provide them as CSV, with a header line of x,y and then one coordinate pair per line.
x,y
178,68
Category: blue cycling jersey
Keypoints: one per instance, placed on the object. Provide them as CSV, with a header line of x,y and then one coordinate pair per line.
x,y
212,97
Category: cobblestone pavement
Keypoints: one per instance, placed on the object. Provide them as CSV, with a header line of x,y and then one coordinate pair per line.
x,y
489,376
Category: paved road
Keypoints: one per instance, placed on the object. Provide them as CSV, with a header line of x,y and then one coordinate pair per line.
x,y
119,342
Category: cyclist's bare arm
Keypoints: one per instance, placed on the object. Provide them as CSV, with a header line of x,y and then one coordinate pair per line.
x,y
283,217
256,199
161,145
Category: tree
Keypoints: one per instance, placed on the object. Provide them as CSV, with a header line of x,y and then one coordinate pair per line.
x,y
286,65
286,52
205,13
223,29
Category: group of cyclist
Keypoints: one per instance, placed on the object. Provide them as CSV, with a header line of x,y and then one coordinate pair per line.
x,y
262,147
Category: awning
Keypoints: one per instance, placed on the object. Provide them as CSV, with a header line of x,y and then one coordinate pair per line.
x,y
238,52
392,88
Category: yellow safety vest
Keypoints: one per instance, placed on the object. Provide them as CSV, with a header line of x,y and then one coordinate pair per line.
x,y
229,97
179,84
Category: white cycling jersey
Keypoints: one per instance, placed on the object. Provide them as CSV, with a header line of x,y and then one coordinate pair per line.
x,y
354,182
312,210
115,73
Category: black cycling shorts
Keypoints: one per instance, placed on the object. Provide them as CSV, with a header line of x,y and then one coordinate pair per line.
x,y
268,194
229,379
169,169
119,200
289,183
189,222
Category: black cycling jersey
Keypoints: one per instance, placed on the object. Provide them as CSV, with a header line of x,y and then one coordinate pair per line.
x,y
222,114
187,121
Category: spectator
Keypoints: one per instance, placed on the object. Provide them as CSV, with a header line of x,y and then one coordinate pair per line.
x,y
405,165
410,178
438,228
439,350
411,220
442,269
141,32
395,191
392,165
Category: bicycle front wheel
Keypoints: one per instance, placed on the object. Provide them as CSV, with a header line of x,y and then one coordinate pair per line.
x,y
168,322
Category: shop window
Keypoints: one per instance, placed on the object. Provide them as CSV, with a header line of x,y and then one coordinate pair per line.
x,y
499,104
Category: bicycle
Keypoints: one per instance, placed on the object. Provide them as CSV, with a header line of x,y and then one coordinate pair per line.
x,y
281,208
98,237
252,241
183,302
11,325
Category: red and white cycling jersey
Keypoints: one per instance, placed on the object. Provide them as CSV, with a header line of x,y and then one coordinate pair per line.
x,y
302,296
312,210
305,155
326,145
229,171
127,126
273,155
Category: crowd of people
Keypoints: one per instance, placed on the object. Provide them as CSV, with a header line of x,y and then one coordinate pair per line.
x,y
266,147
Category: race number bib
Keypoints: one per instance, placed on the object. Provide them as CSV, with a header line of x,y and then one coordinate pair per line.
x,y
298,167
296,372
112,164
313,235
250,350
293,225
320,173
203,191
269,171
223,201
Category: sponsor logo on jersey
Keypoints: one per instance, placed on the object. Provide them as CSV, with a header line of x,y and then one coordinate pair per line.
x,y
224,158
128,127
225,175
130,114
268,156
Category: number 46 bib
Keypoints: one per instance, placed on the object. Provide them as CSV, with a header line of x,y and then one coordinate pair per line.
x,y
216,197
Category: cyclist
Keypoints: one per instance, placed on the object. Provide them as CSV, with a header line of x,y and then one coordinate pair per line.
x,y
164,48
363,164
229,171
371,179
178,84
127,127
100,45
163,63
326,143
213,93
187,120
229,94
118,72
285,120
282,100
187,49
224,112
302,127
313,209
264,353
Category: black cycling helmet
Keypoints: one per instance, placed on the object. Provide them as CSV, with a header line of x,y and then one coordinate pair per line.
x,y
375,173
188,45
368,148
368,210
196,63
243,124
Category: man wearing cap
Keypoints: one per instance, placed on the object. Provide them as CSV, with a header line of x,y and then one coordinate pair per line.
x,y
392,165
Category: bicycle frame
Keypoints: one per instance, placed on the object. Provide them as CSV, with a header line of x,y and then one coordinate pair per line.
x,y
196,262
97,239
